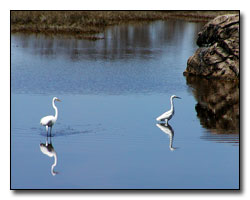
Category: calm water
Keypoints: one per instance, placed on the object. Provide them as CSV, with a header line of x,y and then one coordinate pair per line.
x,y
106,136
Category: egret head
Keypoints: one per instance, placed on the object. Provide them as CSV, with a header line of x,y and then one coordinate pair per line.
x,y
174,96
56,99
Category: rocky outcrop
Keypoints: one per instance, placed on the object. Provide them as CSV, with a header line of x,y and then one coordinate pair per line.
x,y
218,55
217,104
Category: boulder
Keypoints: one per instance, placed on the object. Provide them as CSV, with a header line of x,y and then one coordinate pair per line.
x,y
218,52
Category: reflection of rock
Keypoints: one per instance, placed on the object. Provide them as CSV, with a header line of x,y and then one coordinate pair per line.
x,y
221,138
218,55
218,104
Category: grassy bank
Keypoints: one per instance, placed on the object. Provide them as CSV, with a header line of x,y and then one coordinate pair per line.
x,y
89,22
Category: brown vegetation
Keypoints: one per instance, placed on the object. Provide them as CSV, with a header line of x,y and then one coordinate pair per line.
x,y
89,22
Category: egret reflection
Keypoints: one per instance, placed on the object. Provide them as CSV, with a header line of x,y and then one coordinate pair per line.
x,y
48,149
166,128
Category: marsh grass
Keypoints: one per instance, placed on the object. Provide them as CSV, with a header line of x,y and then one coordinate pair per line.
x,y
86,23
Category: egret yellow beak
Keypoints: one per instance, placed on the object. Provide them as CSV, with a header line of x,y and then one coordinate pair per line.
x,y
58,100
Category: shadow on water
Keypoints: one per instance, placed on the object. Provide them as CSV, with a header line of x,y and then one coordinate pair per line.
x,y
167,129
48,149
217,106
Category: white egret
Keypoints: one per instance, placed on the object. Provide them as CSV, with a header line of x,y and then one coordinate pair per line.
x,y
50,120
169,131
169,114
49,150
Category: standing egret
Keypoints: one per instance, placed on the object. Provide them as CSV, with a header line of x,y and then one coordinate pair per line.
x,y
169,114
50,120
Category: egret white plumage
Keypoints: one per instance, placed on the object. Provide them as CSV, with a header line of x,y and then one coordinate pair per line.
x,y
50,120
169,114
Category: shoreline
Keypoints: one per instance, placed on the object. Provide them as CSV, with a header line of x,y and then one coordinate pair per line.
x,y
84,24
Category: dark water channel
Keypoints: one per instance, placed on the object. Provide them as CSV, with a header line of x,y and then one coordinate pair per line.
x,y
106,136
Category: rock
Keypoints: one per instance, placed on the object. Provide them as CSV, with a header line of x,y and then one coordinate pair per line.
x,y
218,52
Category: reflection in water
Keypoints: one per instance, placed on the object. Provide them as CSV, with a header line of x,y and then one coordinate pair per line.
x,y
166,128
48,149
222,138
132,59
127,41
95,82
218,104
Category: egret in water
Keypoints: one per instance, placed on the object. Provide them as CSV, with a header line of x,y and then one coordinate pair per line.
x,y
50,120
169,114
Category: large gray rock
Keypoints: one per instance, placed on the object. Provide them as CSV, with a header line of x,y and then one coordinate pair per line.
x,y
218,55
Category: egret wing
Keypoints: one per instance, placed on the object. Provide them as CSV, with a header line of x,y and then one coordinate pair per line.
x,y
164,116
47,121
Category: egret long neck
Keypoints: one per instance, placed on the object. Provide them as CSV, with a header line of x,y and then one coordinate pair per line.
x,y
54,106
172,104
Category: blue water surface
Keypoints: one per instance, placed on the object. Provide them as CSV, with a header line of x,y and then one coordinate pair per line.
x,y
112,90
